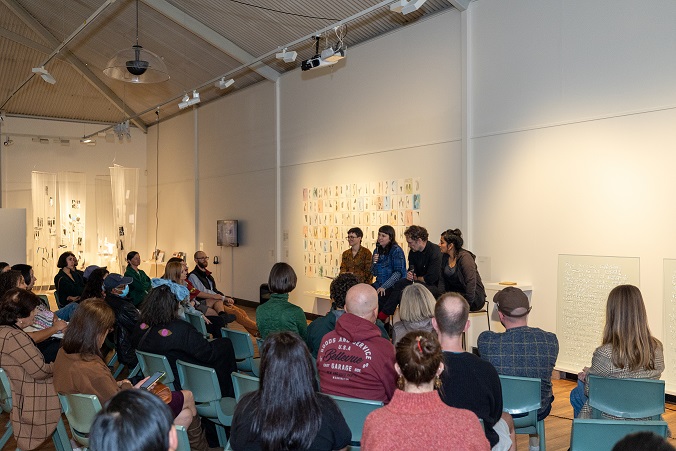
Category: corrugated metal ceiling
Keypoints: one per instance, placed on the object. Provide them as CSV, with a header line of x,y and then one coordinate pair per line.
x,y
256,27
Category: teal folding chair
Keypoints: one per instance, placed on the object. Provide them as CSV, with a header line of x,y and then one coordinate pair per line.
x,y
355,412
244,351
152,363
203,384
521,399
60,436
626,398
80,410
197,321
602,435
183,442
243,384
5,406
259,343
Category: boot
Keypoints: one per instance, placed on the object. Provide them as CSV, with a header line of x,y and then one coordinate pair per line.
x,y
196,437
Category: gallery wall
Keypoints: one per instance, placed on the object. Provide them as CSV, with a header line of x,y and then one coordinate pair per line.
x,y
25,156
574,105
225,152
392,111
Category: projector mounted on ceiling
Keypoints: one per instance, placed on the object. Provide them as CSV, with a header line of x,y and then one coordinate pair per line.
x,y
328,57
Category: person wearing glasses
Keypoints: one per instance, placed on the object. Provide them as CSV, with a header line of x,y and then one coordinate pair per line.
x,y
357,259
204,288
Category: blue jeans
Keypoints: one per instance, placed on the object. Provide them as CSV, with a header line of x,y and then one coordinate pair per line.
x,y
66,312
578,398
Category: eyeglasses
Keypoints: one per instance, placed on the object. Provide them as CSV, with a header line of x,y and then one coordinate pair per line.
x,y
351,237
202,258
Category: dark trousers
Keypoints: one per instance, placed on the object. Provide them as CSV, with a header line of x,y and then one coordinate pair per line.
x,y
388,304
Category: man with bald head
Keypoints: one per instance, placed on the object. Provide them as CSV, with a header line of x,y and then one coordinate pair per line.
x,y
468,381
353,359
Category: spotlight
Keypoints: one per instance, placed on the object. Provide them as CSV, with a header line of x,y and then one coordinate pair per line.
x,y
406,6
223,83
89,140
46,76
288,57
187,101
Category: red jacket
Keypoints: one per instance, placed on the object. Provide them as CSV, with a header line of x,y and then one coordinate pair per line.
x,y
355,361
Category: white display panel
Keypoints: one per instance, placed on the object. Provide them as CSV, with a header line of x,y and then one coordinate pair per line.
x,y
670,324
72,212
584,282
44,258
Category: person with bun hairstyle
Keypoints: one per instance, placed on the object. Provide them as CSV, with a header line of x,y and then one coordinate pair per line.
x,y
459,273
416,417
628,349
389,266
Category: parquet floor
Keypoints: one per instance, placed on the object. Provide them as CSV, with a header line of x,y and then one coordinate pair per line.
x,y
557,424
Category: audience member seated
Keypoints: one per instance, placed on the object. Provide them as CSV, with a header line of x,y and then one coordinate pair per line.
x,y
357,259
176,271
628,349
287,412
354,360
44,323
140,286
322,326
4,266
416,311
469,382
69,282
29,278
35,406
389,266
459,272
94,286
278,314
126,317
79,366
162,332
521,350
203,288
416,418
135,420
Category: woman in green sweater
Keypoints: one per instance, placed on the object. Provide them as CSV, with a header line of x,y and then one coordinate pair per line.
x,y
278,314
140,287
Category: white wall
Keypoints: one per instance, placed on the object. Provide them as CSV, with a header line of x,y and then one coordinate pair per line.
x,y
25,156
573,139
391,110
235,179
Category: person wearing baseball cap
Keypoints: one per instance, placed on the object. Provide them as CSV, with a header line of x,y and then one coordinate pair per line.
x,y
521,350
126,316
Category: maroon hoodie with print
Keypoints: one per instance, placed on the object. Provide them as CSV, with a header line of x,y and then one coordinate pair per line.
x,y
355,361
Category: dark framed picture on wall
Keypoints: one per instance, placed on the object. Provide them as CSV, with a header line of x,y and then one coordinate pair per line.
x,y
227,233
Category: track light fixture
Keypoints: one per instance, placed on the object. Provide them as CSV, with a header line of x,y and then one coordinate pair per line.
x,y
223,83
288,57
187,101
46,76
89,141
406,6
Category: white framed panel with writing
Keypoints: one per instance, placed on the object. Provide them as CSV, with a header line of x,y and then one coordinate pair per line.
x,y
584,282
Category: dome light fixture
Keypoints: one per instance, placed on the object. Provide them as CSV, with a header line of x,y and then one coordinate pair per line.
x,y
136,65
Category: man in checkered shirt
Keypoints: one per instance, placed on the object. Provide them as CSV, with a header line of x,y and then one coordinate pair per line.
x,y
521,350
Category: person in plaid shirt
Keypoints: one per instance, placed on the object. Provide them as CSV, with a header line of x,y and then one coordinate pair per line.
x,y
521,350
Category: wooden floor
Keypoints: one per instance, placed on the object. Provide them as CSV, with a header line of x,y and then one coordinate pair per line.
x,y
557,424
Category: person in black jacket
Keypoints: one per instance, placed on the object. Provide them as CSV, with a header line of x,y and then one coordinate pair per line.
x,y
459,272
126,317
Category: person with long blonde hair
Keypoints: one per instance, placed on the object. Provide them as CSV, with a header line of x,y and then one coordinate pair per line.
x,y
628,350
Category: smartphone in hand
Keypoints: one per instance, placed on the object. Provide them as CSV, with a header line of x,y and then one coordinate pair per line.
x,y
152,380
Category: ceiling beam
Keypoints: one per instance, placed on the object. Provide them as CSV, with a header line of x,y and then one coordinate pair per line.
x,y
26,42
217,40
460,5
78,65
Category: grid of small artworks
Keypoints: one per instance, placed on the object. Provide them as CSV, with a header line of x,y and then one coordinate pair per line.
x,y
330,211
